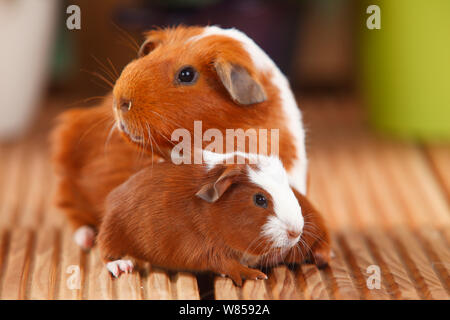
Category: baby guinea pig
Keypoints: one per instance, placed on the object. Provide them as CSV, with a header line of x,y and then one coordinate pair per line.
x,y
218,217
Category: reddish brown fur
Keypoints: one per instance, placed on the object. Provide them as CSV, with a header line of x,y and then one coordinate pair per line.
x,y
88,170
171,227
162,104
88,163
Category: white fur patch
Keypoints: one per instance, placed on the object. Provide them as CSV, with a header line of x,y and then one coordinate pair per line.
x,y
297,174
271,176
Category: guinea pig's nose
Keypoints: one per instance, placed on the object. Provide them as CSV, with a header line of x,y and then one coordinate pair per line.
x,y
293,234
124,105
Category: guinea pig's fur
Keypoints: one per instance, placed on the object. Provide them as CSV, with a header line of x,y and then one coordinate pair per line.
x,y
205,218
238,87
90,159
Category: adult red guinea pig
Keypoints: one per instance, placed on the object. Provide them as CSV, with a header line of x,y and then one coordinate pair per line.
x,y
215,217
217,76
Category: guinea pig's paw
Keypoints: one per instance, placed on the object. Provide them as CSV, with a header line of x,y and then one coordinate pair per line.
x,y
117,267
237,272
253,274
236,277
84,237
246,273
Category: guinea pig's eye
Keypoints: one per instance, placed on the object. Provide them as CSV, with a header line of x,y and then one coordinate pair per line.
x,y
187,75
260,200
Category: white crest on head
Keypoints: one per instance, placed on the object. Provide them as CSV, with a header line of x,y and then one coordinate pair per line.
x,y
271,176
297,174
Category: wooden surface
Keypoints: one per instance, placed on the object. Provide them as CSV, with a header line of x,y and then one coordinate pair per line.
x,y
386,203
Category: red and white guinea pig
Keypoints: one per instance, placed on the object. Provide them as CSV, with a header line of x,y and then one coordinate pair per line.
x,y
212,217
182,74
218,76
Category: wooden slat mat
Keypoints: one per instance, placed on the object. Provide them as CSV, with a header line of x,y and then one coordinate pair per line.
x,y
386,203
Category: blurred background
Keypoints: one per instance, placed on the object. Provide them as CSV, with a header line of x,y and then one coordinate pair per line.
x,y
376,108
400,72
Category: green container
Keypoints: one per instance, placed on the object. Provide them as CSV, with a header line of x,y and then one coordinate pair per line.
x,y
406,68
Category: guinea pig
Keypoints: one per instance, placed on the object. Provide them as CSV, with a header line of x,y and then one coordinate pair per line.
x,y
225,218
90,159
217,76
181,75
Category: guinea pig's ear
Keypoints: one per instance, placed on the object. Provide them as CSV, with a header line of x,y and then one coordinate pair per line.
x,y
213,191
240,84
146,48
153,39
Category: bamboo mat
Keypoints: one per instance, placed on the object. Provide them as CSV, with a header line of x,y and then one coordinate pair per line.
x,y
386,203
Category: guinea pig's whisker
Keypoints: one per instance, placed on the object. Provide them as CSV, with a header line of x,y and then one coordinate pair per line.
x,y
143,143
311,226
268,255
308,248
108,139
278,256
150,139
156,145
254,241
141,136
266,252
101,85
129,40
105,69
83,101
123,41
91,128
295,252
269,260
255,245
307,216
166,138
311,233
101,77
165,118
315,236
162,135
299,252
153,139
113,68
137,131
